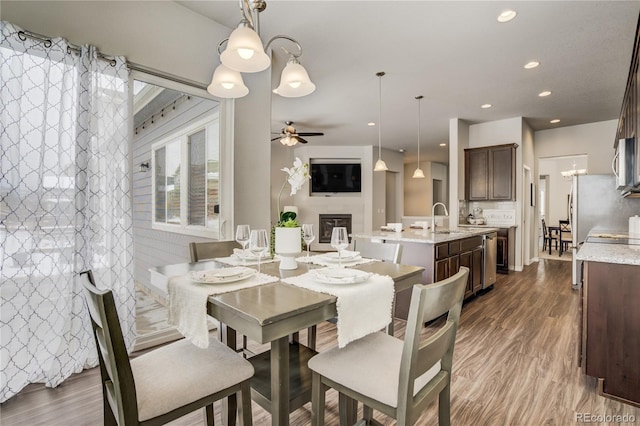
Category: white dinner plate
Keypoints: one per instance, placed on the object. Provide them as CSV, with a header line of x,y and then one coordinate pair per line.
x,y
347,256
340,275
222,275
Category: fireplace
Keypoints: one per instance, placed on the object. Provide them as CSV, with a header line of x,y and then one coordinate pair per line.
x,y
329,221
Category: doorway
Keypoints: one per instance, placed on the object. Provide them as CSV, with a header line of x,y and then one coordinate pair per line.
x,y
527,215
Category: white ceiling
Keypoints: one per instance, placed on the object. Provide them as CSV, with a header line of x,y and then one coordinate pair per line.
x,y
453,53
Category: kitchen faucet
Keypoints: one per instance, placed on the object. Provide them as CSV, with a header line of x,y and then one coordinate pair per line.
x,y
433,215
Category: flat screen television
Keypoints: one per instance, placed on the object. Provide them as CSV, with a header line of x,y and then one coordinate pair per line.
x,y
335,177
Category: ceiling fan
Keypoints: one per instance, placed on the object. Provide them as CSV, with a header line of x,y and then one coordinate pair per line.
x,y
289,136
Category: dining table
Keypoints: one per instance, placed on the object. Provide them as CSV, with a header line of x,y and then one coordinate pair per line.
x,y
273,314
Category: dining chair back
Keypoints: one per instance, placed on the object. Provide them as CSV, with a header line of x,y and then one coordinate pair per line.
x,y
416,371
163,384
566,238
548,238
211,250
387,252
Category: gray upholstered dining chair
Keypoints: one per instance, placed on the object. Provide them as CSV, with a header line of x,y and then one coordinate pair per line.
x,y
388,252
409,374
211,250
166,383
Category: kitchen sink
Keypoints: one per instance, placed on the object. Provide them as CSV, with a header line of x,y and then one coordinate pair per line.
x,y
450,232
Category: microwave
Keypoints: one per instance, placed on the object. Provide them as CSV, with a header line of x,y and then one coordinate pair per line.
x,y
626,167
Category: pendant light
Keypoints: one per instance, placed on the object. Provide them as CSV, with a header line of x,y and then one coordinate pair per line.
x,y
244,52
380,166
227,83
418,174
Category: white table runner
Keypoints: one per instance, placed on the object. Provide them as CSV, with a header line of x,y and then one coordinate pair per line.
x,y
363,308
188,303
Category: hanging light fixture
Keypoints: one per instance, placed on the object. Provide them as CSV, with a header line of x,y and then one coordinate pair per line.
x,y
244,53
227,83
418,173
380,166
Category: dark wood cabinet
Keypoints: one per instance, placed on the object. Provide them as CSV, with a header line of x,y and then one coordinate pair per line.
x,y
610,347
490,173
502,254
453,254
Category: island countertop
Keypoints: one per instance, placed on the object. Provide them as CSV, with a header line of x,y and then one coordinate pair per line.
x,y
426,236
625,254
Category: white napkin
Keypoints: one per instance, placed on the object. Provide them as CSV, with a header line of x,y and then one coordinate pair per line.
x,y
236,259
321,260
188,303
363,308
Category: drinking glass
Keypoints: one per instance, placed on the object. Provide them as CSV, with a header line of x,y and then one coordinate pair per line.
x,y
339,241
259,243
242,237
308,236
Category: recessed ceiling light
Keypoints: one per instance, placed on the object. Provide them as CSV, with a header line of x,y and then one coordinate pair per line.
x,y
507,15
545,93
443,144
401,150
485,106
554,121
371,123
531,64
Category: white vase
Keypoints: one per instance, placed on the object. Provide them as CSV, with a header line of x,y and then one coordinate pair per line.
x,y
288,245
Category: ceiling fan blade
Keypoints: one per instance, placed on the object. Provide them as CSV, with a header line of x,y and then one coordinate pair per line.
x,y
276,139
301,140
310,133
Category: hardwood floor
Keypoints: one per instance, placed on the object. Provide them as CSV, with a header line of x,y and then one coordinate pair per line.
x,y
515,363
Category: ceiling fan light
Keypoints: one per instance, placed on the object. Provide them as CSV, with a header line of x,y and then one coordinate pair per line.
x,y
244,52
294,81
380,166
418,174
227,83
289,140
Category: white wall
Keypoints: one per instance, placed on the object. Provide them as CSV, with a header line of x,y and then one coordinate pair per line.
x,y
418,193
594,139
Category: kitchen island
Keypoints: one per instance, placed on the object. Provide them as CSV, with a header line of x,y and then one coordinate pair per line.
x,y
440,254
610,321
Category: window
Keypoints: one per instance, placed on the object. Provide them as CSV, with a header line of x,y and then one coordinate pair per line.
x,y
186,181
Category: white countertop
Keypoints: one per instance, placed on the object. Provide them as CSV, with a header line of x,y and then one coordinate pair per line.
x,y
426,236
625,254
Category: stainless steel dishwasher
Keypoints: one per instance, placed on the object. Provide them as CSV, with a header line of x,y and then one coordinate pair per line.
x,y
490,252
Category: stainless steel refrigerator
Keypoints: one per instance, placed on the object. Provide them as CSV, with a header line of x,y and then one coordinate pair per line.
x,y
596,204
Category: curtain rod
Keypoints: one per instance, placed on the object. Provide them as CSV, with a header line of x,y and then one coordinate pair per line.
x,y
46,41
24,34
141,68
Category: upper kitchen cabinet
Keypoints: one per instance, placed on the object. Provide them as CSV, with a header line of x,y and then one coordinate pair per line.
x,y
490,173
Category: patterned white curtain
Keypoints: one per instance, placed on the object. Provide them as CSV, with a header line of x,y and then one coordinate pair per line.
x,y
64,205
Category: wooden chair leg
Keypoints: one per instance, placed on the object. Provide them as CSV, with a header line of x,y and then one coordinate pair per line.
x,y
210,415
317,400
311,337
444,406
367,414
245,395
348,408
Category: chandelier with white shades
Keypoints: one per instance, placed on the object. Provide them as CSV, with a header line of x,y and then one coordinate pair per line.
x,y
244,53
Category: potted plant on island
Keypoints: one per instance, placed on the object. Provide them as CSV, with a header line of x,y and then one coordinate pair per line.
x,y
287,234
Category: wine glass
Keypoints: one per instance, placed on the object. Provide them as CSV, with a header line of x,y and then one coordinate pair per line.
x,y
308,236
339,241
242,237
259,243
